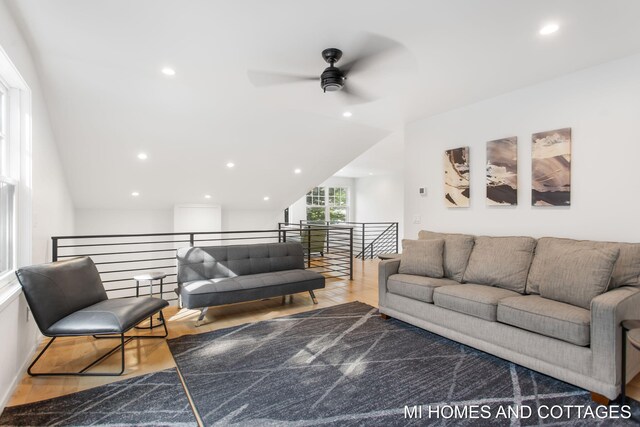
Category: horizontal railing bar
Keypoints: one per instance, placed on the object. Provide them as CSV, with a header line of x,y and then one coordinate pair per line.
x,y
120,253
130,278
111,236
135,269
123,244
134,260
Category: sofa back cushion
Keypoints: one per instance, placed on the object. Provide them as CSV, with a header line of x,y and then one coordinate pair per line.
x,y
574,273
501,261
215,262
626,271
457,248
422,257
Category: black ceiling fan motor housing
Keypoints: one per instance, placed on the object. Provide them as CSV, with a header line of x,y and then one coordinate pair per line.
x,y
332,78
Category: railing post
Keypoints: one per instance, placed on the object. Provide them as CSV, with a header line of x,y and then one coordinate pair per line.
x,y
284,236
363,242
279,232
192,240
351,253
397,237
328,233
54,249
308,246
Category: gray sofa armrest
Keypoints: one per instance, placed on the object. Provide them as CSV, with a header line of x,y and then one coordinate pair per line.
x,y
607,311
386,268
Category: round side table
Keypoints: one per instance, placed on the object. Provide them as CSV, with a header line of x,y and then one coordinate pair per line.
x,y
630,332
150,277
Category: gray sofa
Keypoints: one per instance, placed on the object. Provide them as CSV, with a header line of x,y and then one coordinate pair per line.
x,y
217,275
552,305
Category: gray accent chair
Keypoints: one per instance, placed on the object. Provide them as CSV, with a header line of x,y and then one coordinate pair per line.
x,y
67,299
217,275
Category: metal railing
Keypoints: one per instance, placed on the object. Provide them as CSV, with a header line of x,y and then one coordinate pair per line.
x,y
328,248
369,238
119,257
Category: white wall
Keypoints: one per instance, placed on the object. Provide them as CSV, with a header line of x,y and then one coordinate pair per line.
x,y
239,219
123,221
600,104
52,212
380,198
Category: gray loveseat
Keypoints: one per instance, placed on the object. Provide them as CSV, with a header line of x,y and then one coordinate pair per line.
x,y
552,305
217,275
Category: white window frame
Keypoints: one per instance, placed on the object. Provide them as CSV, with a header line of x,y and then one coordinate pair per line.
x,y
327,205
18,171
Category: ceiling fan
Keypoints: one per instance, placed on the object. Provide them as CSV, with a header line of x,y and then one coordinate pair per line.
x,y
334,78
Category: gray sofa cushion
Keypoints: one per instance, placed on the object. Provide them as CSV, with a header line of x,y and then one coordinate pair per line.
x,y
205,293
212,262
475,300
574,274
416,287
547,317
422,257
501,261
457,248
626,271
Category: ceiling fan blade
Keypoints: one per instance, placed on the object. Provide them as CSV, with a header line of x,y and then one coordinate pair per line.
x,y
374,47
354,95
266,78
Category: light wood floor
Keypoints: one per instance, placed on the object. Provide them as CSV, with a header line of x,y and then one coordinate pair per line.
x,y
144,356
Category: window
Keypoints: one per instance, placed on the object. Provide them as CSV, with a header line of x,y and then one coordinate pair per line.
x,y
7,190
15,173
328,204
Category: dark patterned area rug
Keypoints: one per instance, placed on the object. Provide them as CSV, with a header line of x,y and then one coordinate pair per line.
x,y
156,399
345,366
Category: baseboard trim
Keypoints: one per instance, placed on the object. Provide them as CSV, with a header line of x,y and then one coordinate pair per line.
x,y
16,379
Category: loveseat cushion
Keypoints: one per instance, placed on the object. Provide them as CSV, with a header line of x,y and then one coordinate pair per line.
x,y
416,287
472,299
547,317
501,261
422,257
571,271
205,293
457,248
626,271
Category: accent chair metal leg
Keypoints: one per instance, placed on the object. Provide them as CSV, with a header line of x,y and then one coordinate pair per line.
x,y
284,299
623,373
313,297
124,339
203,313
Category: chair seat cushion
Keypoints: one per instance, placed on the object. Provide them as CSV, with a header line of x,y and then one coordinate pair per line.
x,y
475,300
416,287
547,317
112,316
205,293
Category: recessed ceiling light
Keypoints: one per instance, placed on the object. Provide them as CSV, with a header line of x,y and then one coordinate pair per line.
x,y
265,198
135,194
347,114
168,71
370,173
207,196
297,171
549,29
230,164
142,156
